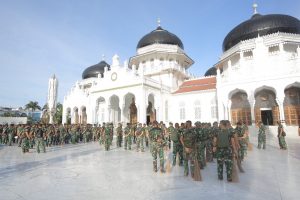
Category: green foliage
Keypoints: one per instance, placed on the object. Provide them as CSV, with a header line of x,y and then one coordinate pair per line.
x,y
33,106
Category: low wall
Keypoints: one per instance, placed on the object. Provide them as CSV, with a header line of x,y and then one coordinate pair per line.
x,y
13,120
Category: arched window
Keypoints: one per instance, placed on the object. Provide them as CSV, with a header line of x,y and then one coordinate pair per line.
x,y
214,109
182,111
197,109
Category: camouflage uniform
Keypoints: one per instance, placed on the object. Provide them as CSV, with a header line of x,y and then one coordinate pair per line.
x,y
107,141
209,144
261,137
281,138
242,142
177,146
140,138
128,137
224,153
11,132
40,140
24,141
189,153
119,135
158,143
200,146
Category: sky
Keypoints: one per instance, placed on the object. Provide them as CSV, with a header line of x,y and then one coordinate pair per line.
x,y
39,38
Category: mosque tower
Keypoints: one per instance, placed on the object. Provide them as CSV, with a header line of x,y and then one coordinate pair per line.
x,y
52,97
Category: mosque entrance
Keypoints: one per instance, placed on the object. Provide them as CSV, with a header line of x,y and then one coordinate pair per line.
x,y
266,108
133,112
267,117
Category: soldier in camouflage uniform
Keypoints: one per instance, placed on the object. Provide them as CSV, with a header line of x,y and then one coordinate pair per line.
x,y
11,133
24,140
1,131
145,128
119,135
20,131
40,134
224,147
188,140
107,140
281,136
261,136
127,137
158,143
177,146
139,133
200,144
209,143
242,140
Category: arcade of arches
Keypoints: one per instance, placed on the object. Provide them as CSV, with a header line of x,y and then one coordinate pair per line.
x,y
292,106
240,108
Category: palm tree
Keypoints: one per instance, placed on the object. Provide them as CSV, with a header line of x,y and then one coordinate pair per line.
x,y
32,106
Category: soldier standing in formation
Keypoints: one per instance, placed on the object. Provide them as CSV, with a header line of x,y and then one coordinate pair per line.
x,y
281,136
261,135
119,135
39,135
128,138
177,146
158,142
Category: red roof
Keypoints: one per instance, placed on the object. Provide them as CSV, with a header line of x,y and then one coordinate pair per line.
x,y
206,83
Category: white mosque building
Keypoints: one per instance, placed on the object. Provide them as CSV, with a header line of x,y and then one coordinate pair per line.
x,y
257,78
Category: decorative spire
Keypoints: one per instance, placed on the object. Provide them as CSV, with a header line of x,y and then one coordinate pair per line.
x,y
158,22
255,8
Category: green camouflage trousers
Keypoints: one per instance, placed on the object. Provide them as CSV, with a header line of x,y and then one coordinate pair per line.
x,y
140,144
224,155
201,154
40,144
209,150
156,149
242,150
261,140
186,157
25,145
10,139
107,143
282,142
177,148
119,141
127,142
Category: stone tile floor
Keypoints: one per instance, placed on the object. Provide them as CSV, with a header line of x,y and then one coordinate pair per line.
x,y
87,172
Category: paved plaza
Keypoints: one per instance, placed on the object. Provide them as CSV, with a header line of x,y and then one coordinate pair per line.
x,y
86,171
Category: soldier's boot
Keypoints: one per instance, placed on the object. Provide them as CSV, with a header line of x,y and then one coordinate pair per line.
x,y
154,166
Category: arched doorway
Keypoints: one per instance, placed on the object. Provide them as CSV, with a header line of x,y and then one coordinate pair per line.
x,y
150,112
100,110
130,109
75,115
115,111
292,105
83,115
240,107
266,107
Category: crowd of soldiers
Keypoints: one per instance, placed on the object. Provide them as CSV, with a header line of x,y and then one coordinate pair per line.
x,y
193,146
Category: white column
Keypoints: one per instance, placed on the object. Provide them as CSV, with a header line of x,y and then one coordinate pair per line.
x,y
279,101
229,110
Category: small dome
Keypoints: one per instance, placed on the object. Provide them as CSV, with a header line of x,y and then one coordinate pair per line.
x,y
211,72
261,25
94,70
159,36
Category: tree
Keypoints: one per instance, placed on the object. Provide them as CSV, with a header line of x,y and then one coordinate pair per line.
x,y
58,113
32,106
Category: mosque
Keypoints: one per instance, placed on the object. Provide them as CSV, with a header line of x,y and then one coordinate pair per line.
x,y
257,78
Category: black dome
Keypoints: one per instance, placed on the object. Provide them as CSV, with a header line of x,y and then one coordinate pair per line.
x,y
211,72
262,25
159,36
94,70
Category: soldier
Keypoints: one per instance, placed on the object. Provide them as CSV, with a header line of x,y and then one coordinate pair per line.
x,y
158,143
177,146
242,140
200,144
119,135
1,131
188,140
11,133
40,134
107,139
139,133
261,135
145,128
127,139
222,146
281,136
20,131
24,135
209,143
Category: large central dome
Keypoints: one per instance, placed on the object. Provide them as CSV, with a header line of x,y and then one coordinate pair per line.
x,y
159,36
261,25
94,70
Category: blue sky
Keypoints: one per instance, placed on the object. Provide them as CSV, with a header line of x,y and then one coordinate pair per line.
x,y
39,38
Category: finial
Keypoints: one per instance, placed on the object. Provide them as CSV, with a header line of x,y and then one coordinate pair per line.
x,y
103,57
158,22
254,8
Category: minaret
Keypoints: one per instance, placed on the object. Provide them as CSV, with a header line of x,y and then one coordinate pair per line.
x,y
52,97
